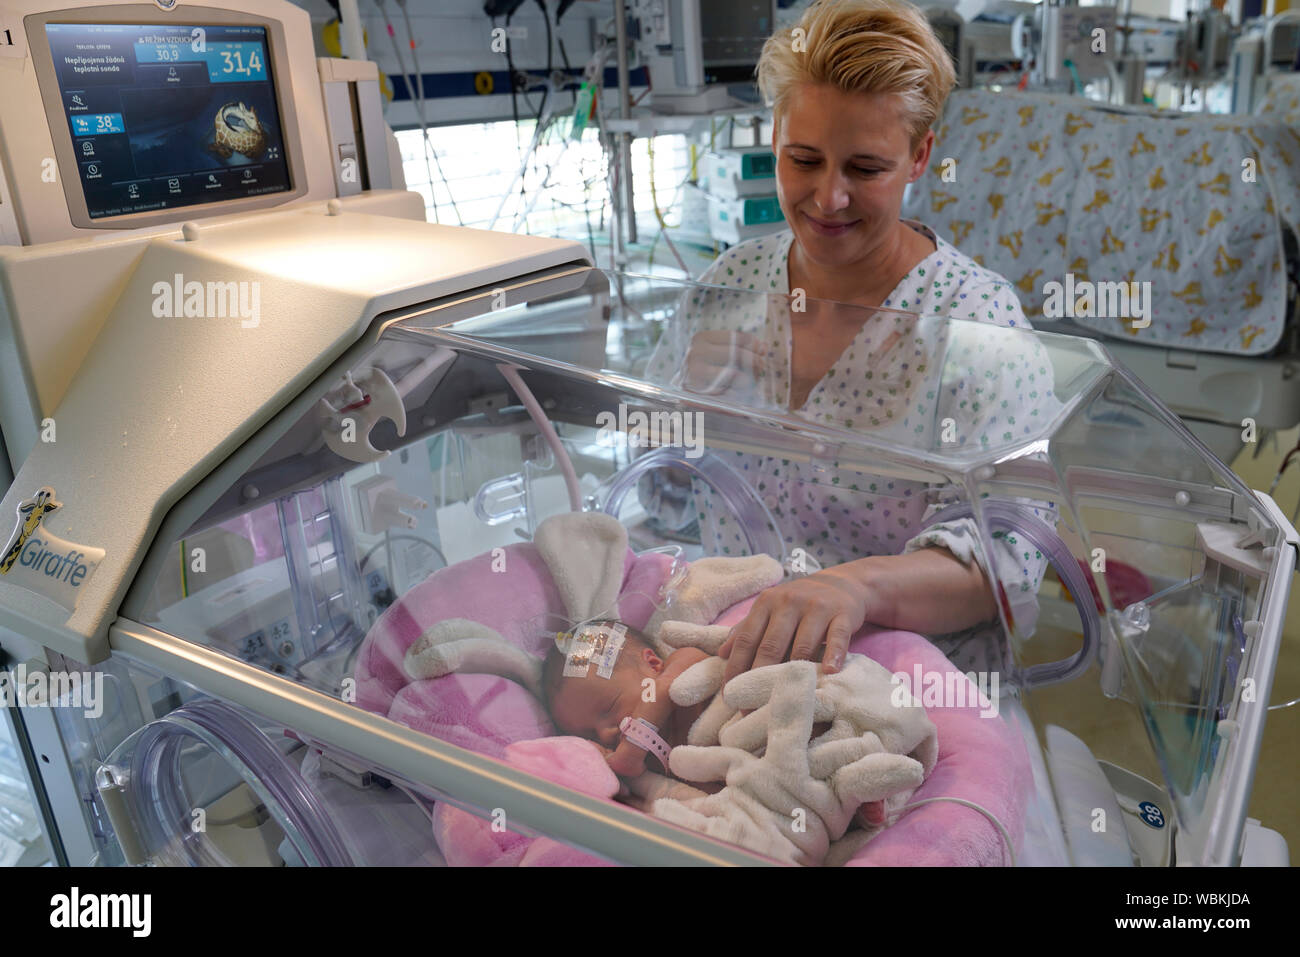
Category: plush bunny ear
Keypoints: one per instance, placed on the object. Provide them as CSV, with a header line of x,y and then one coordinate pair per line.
x,y
585,553
683,634
715,584
470,647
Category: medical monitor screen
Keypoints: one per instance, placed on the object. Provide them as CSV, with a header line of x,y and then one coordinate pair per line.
x,y
169,116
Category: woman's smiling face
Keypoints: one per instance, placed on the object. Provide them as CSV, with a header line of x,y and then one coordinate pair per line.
x,y
843,161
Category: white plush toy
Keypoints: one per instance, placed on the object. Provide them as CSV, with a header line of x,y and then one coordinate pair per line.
x,y
787,794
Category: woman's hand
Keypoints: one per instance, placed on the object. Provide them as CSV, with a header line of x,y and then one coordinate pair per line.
x,y
720,362
798,616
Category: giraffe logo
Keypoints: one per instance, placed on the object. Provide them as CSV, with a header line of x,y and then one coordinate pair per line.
x,y
30,513
42,562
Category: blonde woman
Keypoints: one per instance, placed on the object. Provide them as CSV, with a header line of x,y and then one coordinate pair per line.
x,y
855,87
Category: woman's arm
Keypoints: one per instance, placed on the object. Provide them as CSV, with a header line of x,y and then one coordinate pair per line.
x,y
928,591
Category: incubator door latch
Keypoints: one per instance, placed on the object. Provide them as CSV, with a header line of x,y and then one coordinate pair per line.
x,y
357,404
1250,553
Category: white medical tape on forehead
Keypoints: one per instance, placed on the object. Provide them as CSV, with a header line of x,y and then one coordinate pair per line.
x,y
613,638
644,735
597,644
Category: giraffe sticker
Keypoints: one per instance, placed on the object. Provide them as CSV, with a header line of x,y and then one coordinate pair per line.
x,y
30,514
41,562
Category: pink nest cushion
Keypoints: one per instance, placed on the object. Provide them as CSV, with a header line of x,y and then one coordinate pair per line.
x,y
981,759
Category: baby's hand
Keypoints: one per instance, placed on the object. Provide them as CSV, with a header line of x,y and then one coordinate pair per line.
x,y
872,814
627,760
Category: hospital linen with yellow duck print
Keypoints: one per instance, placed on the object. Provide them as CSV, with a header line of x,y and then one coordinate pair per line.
x,y
904,374
1038,187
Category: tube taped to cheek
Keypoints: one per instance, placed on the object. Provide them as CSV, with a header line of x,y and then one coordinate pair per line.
x,y
593,644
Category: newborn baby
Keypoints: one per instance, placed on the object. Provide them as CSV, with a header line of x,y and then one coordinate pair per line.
x,y
593,705
593,702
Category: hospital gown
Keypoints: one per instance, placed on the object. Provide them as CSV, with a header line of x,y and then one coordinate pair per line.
x,y
883,383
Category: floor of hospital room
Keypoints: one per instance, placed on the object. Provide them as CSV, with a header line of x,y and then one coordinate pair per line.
x,y
1113,728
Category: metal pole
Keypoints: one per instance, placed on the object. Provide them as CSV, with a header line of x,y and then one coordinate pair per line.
x,y
625,112
350,33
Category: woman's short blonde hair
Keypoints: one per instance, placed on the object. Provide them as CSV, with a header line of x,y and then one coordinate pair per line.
x,y
861,46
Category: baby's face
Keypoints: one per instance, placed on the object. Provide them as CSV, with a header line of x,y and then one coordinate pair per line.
x,y
593,707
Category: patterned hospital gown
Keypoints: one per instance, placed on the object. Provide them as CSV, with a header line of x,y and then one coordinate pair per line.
x,y
992,394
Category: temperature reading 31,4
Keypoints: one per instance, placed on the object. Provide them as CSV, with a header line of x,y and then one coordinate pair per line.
x,y
234,62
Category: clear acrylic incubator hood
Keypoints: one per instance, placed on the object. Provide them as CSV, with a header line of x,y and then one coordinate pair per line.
x,y
221,549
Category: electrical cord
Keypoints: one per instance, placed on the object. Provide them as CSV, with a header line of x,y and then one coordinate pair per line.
x,y
424,118
1006,838
654,196
550,49
514,94
415,88
387,542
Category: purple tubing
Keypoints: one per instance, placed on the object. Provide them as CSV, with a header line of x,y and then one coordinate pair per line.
x,y
157,795
1020,519
741,500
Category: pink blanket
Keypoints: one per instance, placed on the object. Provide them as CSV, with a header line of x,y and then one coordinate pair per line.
x,y
981,759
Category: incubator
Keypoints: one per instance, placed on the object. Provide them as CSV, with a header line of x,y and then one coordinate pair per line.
x,y
253,661
310,494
